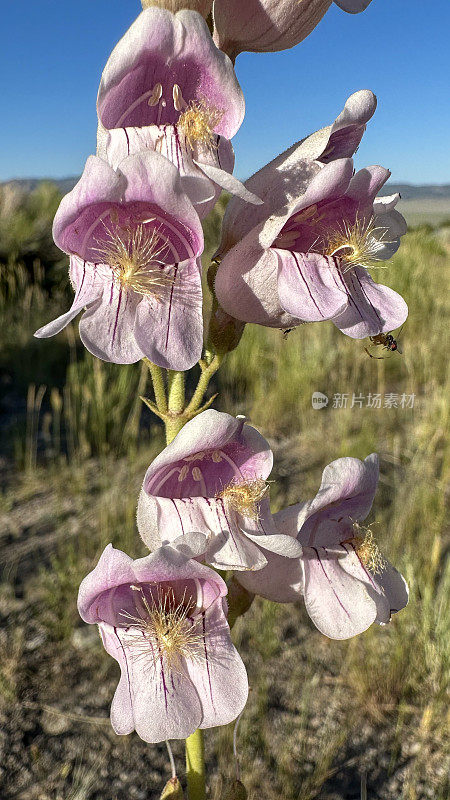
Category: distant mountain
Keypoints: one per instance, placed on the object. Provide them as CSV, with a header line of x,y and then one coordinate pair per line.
x,y
408,191
28,184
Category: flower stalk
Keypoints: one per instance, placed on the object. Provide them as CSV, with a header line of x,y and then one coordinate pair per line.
x,y
175,418
195,766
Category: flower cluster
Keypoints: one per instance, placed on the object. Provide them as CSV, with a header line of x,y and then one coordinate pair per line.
x,y
299,241
204,503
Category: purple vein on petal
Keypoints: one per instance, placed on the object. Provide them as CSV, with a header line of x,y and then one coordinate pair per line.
x,y
306,283
170,302
330,582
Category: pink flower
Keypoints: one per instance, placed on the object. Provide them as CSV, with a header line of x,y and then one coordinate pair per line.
x,y
163,618
285,178
346,583
212,478
134,239
167,87
307,261
267,25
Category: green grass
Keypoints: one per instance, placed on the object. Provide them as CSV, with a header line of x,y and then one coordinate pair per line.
x,y
82,445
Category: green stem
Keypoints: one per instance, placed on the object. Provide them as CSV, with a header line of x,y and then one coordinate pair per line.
x,y
158,385
195,766
207,372
175,418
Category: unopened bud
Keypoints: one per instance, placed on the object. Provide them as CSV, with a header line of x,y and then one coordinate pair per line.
x,y
225,332
172,790
239,601
235,791
202,6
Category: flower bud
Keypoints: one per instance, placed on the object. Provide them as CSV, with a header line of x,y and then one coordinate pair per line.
x,y
202,6
172,790
225,332
239,602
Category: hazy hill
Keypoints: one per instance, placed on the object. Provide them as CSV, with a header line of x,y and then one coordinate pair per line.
x,y
28,184
425,203
408,191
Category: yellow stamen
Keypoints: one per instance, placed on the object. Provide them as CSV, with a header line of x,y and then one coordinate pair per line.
x,y
165,628
358,244
244,497
133,256
367,549
198,122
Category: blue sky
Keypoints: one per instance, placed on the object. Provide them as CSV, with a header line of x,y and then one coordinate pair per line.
x,y
53,51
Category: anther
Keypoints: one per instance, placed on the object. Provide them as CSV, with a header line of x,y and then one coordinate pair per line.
x,y
178,99
183,473
155,96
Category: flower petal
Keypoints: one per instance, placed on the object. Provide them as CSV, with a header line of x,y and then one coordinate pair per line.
x,y
220,678
373,308
281,581
336,598
246,285
394,587
208,432
346,495
353,6
168,49
81,211
122,717
164,519
163,702
169,331
154,181
88,282
306,287
258,26
107,327
229,183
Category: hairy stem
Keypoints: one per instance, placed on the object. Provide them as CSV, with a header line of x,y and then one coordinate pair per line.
x,y
208,370
195,766
158,385
175,418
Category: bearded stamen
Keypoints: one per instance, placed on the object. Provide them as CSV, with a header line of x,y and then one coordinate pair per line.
x,y
165,629
358,244
134,259
367,549
245,497
198,122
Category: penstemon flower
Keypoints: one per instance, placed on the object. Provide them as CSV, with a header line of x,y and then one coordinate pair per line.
x,y
163,618
213,478
134,239
167,87
267,25
347,584
285,178
308,261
